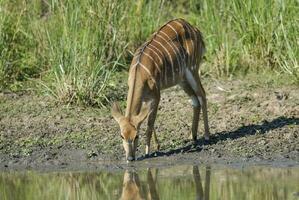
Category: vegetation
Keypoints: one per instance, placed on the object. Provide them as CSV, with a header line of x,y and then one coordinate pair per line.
x,y
70,49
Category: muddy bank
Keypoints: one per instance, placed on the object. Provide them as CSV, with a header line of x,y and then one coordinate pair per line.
x,y
250,123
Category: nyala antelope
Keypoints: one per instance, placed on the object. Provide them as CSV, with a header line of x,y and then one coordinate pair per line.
x,y
172,56
134,189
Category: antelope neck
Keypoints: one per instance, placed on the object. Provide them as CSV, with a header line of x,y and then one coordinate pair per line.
x,y
135,92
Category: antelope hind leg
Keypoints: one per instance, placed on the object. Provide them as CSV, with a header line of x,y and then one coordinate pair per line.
x,y
194,81
204,111
196,109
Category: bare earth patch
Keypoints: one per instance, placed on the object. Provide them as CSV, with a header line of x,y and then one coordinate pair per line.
x,y
249,122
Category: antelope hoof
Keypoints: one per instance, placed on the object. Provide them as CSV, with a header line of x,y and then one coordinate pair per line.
x,y
192,137
207,138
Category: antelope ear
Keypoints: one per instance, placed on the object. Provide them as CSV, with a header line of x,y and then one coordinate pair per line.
x,y
116,112
138,119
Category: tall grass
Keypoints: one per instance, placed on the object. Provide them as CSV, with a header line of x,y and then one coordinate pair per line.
x,y
73,47
250,35
18,52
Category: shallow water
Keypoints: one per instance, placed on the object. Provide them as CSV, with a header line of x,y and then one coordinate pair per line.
x,y
179,182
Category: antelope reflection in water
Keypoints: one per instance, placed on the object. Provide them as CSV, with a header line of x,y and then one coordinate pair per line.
x,y
200,193
134,190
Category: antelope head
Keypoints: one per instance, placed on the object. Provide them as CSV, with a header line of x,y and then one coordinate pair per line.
x,y
131,186
129,127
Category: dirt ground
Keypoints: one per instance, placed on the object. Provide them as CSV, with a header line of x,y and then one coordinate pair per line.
x,y
250,122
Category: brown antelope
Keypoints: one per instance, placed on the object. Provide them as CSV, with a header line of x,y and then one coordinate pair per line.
x,y
132,188
172,56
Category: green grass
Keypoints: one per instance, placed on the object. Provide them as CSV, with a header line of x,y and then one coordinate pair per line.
x,y
73,50
250,36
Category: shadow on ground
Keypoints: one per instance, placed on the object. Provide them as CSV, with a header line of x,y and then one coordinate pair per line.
x,y
243,131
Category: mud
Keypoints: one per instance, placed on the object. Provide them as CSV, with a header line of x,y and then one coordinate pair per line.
x,y
250,122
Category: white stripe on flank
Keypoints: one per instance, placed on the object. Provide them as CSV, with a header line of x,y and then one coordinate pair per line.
x,y
160,71
178,53
163,63
153,61
146,69
139,63
174,51
156,54
170,59
184,56
157,66
177,35
149,73
184,41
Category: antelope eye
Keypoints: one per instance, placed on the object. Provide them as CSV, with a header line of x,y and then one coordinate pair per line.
x,y
122,137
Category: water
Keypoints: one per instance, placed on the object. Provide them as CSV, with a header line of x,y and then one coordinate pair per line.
x,y
180,182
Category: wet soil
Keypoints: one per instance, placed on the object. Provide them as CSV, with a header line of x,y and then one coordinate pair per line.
x,y
250,122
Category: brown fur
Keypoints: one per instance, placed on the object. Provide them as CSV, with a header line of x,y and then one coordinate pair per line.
x,y
172,56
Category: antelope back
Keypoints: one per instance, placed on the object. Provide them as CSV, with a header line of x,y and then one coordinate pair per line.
x,y
175,46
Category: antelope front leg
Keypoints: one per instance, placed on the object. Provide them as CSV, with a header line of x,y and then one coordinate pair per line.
x,y
149,132
150,126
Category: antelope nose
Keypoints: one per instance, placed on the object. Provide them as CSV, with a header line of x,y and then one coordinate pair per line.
x,y
130,158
